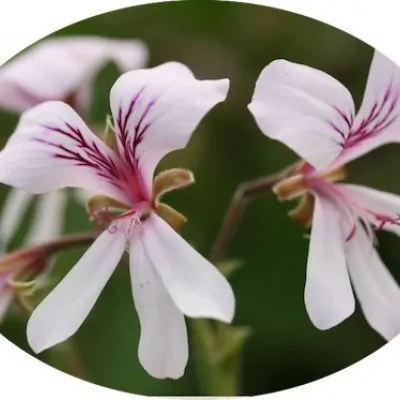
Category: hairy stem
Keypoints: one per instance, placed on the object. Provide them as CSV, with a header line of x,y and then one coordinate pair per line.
x,y
214,378
66,242
36,256
243,194
221,377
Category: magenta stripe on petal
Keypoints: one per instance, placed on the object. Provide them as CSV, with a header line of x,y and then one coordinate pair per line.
x,y
380,117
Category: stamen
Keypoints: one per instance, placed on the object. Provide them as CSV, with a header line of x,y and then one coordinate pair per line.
x,y
102,218
105,220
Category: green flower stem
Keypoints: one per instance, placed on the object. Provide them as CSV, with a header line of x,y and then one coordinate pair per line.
x,y
217,357
243,194
212,380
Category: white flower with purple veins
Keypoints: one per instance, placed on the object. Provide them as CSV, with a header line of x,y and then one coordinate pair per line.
x,y
55,69
155,111
314,115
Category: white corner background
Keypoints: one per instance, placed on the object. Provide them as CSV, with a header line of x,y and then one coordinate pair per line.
x,y
22,22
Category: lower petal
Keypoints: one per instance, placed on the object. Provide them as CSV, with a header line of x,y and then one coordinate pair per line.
x,y
12,212
163,346
197,288
387,204
377,291
48,218
328,294
63,311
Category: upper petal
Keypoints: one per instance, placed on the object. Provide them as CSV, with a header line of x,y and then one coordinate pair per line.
x,y
52,148
63,311
328,294
385,204
163,346
156,110
376,289
304,108
196,287
378,121
59,67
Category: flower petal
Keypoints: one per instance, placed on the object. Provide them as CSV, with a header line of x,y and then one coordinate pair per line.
x,y
383,203
52,148
163,346
156,110
63,311
57,68
48,217
12,212
197,288
304,108
328,294
378,121
6,297
377,291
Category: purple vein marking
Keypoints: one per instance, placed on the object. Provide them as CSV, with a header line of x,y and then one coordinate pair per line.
x,y
89,156
130,138
380,117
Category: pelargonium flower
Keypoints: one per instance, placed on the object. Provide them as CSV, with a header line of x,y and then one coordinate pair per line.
x,y
55,69
62,68
314,115
155,110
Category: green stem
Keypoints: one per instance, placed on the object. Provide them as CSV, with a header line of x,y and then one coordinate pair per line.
x,y
243,194
216,378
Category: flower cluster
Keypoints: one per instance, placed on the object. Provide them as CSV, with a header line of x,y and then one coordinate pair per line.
x,y
154,112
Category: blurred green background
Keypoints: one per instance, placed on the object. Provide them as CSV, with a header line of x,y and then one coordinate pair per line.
x,y
223,39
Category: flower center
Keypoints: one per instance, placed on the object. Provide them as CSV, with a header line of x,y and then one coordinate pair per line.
x,y
306,182
109,214
300,185
303,179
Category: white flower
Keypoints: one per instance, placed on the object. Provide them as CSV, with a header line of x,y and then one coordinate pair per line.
x,y
63,68
55,69
155,110
314,115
